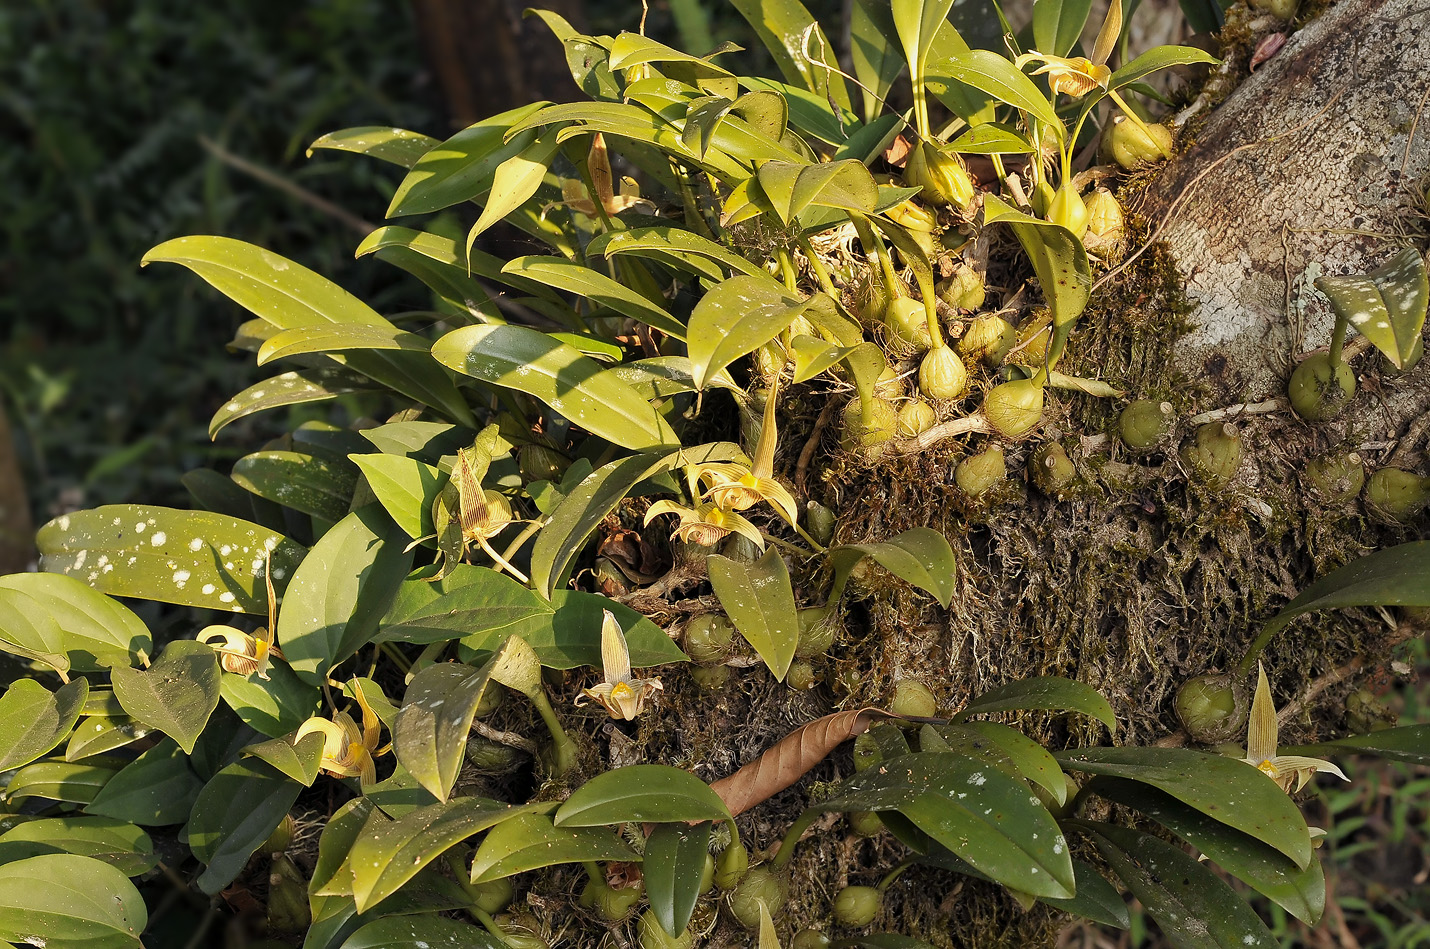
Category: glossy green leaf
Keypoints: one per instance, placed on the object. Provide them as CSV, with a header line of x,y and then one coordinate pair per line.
x,y
674,860
1194,907
437,711
425,441
1302,893
737,317
877,62
28,630
1058,24
632,49
156,789
846,185
461,168
998,77
1095,899
514,183
523,359
420,932
1052,693
1387,306
99,734
589,62
661,377
307,484
96,632
33,720
397,146
404,486
674,246
1394,576
1157,59
289,295
920,556
759,600
992,138
1058,258
176,695
272,707
530,841
233,815
301,762
441,263
572,277
701,121
295,387
916,22
302,340
469,601
571,635
389,853
340,591
811,114
1026,756
118,843
978,812
192,558
1226,789
1409,743
813,355
75,783
641,792
69,901
798,46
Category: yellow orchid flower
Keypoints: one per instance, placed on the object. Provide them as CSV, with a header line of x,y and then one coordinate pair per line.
x,y
598,162
705,524
241,653
1261,734
1079,75
623,695
348,752
736,487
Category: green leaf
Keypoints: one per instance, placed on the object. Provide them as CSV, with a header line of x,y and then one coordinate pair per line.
x,y
295,387
156,789
118,843
588,61
1195,909
1058,258
523,359
71,901
386,854
95,631
1409,743
289,295
33,720
877,62
632,49
572,277
1302,893
1096,899
406,487
301,762
303,340
530,841
1387,306
234,814
28,630
920,556
1159,58
515,182
441,263
641,792
992,138
397,146
176,695
759,600
1226,789
978,812
570,636
1053,693
1395,576
98,734
917,22
425,441
796,41
991,73
340,591
1029,758
77,783
1058,24
811,114
813,355
431,732
469,601
192,558
792,188
305,483
880,941
419,932
737,317
461,168
674,860
273,707
675,247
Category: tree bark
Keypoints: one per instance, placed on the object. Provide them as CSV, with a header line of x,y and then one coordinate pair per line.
x,y
1316,164
17,532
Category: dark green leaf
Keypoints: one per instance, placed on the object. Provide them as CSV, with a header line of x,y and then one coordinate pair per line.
x,y
1027,757
1096,899
55,780
70,901
530,841
1395,576
34,720
118,843
470,601
98,734
1053,693
1409,743
420,932
295,387
437,711
920,556
234,814
571,635
176,695
759,600
674,860
641,792
156,789
1058,24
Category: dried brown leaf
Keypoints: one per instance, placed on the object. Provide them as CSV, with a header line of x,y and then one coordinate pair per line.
x,y
792,757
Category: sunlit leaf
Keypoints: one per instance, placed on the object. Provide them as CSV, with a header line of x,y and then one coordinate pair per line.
x,y
641,792
461,168
176,695
530,841
95,631
33,720
920,556
430,736
305,483
1058,258
70,900
397,146
572,277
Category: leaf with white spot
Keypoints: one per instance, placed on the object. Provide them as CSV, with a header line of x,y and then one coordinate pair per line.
x,y
192,558
1387,306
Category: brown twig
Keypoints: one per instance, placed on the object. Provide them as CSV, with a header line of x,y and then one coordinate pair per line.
x,y
943,431
275,180
806,454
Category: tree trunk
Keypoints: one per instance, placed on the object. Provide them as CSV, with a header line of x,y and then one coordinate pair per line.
x,y
17,549
1316,164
